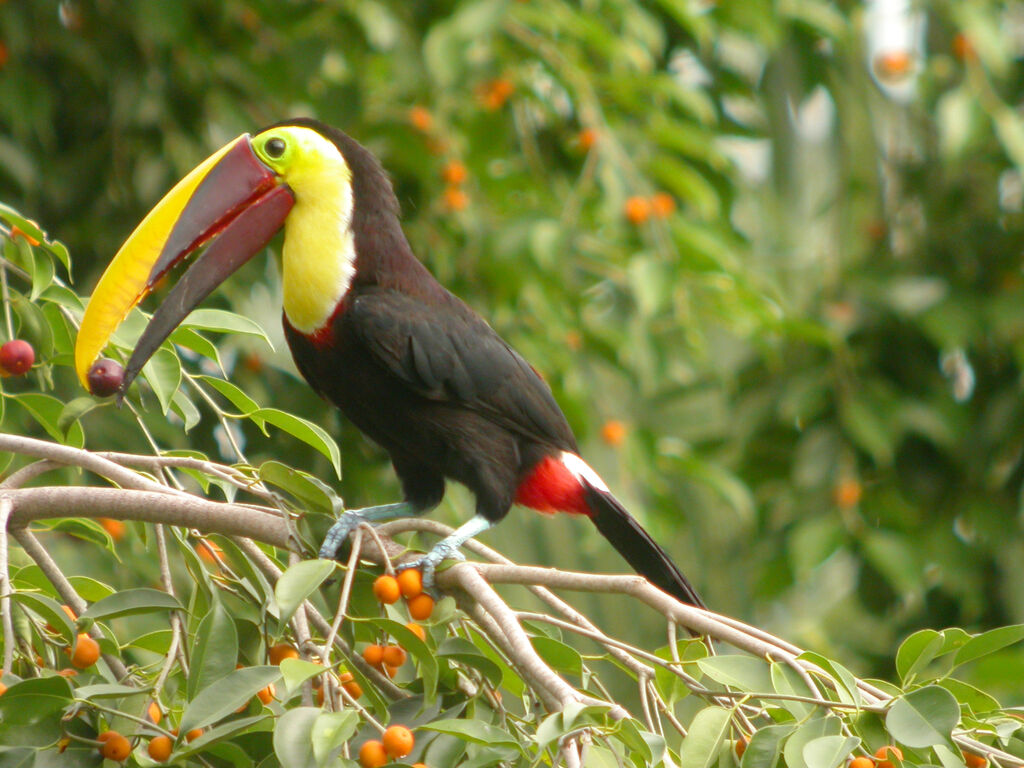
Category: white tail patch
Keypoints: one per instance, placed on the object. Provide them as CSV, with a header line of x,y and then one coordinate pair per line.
x,y
582,471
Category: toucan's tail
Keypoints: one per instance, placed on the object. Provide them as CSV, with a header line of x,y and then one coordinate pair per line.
x,y
636,545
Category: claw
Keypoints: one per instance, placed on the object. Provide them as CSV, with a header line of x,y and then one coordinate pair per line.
x,y
339,532
350,519
444,550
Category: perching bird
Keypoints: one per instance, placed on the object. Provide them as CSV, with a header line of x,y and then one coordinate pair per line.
x,y
372,331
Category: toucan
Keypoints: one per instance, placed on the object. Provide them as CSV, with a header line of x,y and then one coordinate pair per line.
x,y
372,331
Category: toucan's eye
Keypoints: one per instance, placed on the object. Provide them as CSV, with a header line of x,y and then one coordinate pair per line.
x,y
275,147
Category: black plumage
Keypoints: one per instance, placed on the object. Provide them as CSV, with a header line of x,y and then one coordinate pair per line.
x,y
424,376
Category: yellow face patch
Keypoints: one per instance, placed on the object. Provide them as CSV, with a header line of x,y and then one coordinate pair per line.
x,y
319,251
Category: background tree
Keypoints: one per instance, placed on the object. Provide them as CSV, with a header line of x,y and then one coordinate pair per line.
x,y
765,256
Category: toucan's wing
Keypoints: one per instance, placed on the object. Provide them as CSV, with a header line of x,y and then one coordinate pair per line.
x,y
444,351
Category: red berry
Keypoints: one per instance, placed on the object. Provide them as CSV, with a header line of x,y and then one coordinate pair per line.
x,y
16,357
105,377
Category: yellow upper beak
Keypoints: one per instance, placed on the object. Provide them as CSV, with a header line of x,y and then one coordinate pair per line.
x,y
231,200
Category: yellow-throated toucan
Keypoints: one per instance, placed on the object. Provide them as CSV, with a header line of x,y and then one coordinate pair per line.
x,y
371,330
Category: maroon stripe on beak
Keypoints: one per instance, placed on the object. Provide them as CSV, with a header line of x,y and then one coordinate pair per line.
x,y
250,226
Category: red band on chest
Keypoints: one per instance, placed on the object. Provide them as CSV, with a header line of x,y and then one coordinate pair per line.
x,y
551,487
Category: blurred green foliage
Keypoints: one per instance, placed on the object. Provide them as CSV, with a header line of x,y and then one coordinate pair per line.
x,y
815,353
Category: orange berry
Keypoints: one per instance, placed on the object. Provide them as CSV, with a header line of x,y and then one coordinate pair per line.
x,y
373,655
63,744
455,199
847,493
893,66
974,761
613,432
391,670
352,688
114,527
418,630
421,606
4,55
3,689
420,118
67,672
586,139
282,651
861,762
209,552
663,205
398,741
454,172
153,713
574,340
17,231
114,746
419,765
740,746
638,209
160,748
883,754
393,656
372,754
266,695
963,48
494,93
410,582
385,589
85,653
194,734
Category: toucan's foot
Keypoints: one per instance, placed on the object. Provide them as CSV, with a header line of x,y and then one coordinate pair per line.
x,y
447,549
351,519
427,565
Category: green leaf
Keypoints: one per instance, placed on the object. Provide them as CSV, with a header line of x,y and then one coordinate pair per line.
x,y
131,602
829,751
163,372
765,745
31,700
475,731
308,491
42,273
786,681
299,582
793,752
293,737
559,656
306,431
46,410
297,671
917,652
330,731
706,733
743,672
214,651
190,339
230,692
846,682
220,321
186,409
49,610
73,411
245,404
924,717
989,642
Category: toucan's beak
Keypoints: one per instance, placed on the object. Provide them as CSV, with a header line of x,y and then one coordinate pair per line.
x,y
232,202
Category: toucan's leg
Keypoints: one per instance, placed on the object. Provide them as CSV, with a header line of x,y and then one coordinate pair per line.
x,y
423,489
448,548
351,518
